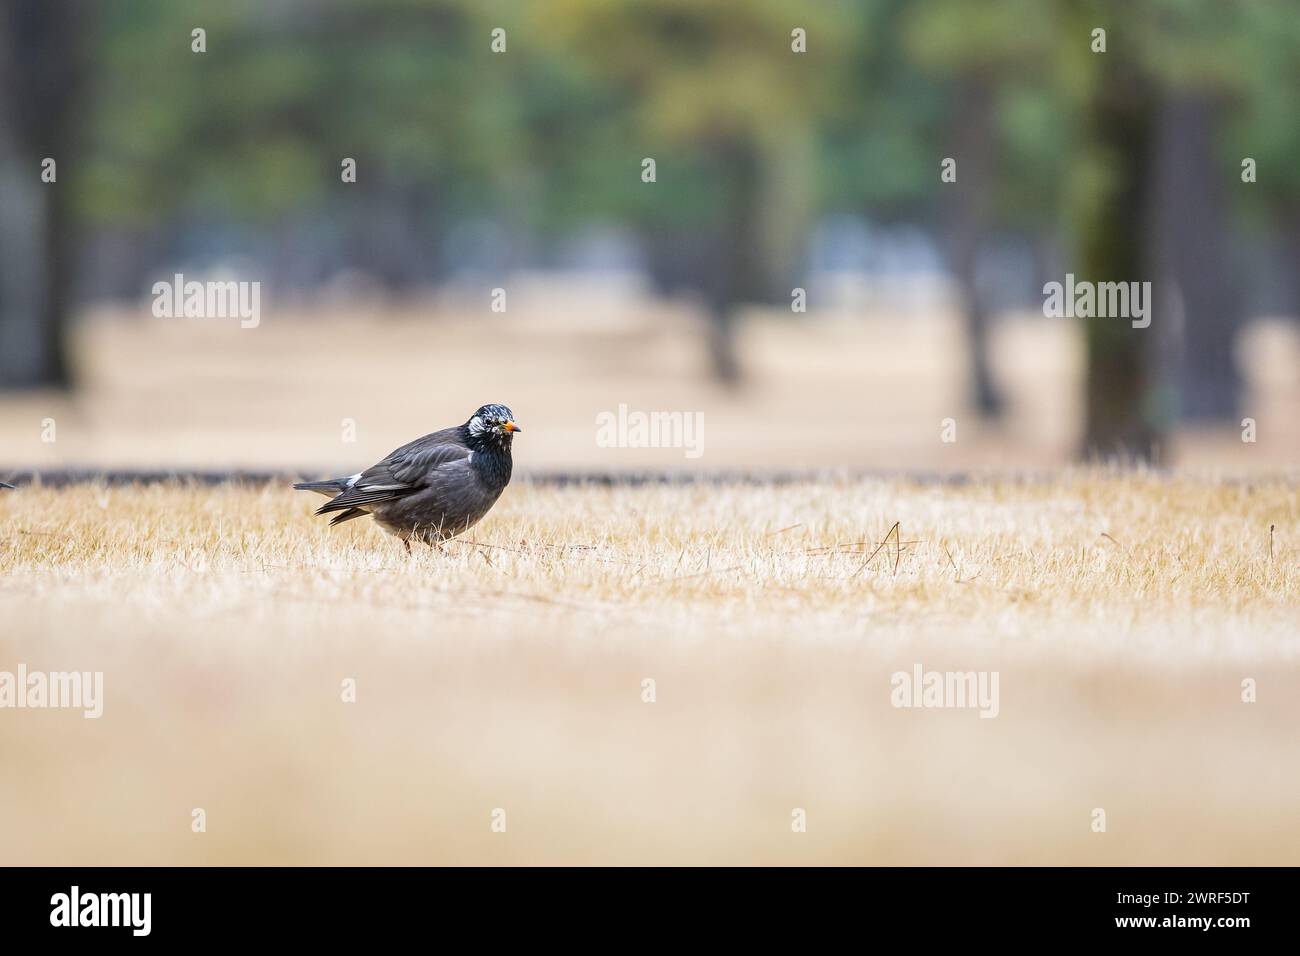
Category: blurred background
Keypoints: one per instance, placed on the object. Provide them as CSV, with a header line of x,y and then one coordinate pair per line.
x,y
798,269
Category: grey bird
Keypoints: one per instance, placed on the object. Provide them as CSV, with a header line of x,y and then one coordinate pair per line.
x,y
433,488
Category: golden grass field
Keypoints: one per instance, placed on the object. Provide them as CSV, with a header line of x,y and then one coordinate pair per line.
x,y
1121,610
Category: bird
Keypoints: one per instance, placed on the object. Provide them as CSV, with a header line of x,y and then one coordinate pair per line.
x,y
433,488
5,484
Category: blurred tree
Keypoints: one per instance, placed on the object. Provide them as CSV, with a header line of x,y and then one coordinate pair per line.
x,y
1260,125
1200,308
715,91
1121,418
982,53
1200,54
1181,63
249,136
1153,203
42,74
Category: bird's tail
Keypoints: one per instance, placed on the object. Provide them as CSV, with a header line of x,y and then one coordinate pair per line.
x,y
329,487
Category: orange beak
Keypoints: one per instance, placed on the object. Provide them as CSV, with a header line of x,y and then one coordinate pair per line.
x,y
512,427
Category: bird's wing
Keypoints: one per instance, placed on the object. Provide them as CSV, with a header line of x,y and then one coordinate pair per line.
x,y
409,469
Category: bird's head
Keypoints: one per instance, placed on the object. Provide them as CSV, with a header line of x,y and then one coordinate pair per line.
x,y
493,424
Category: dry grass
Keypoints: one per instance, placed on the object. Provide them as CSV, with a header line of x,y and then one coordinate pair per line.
x,y
1122,612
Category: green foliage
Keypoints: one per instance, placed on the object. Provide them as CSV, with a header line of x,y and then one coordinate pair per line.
x,y
552,133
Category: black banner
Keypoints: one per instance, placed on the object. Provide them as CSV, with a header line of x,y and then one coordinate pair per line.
x,y
333,906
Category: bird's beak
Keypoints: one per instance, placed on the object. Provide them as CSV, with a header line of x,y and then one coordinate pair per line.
x,y
512,427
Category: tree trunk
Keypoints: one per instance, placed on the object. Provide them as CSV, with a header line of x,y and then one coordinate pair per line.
x,y
738,274
1194,237
967,224
40,76
1122,419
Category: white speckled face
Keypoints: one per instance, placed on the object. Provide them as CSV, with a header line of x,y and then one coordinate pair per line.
x,y
492,423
